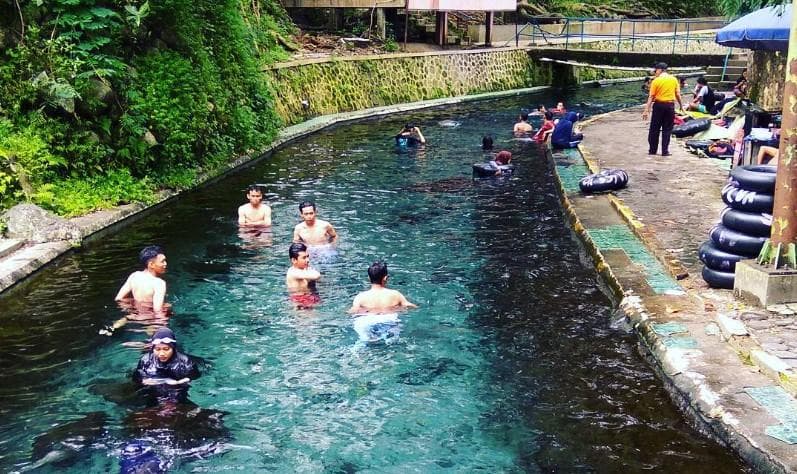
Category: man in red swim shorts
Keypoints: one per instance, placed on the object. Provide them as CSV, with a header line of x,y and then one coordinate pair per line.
x,y
301,277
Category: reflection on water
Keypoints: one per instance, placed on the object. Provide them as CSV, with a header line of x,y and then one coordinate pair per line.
x,y
509,365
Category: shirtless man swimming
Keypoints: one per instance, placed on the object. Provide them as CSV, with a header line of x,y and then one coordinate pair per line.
x,y
146,287
379,298
313,231
301,276
523,126
254,213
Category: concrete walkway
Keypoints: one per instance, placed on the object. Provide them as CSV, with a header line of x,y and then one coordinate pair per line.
x,y
728,366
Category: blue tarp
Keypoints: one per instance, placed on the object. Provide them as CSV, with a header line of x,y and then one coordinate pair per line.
x,y
767,28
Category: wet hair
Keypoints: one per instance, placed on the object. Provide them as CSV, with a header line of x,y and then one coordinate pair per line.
x,y
702,81
503,157
409,126
304,204
524,115
148,253
254,187
295,249
541,106
548,115
487,142
662,66
377,272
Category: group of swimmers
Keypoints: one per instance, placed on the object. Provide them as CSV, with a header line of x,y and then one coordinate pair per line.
x,y
169,371
558,125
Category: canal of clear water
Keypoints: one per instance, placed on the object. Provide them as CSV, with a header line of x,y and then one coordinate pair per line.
x,y
512,363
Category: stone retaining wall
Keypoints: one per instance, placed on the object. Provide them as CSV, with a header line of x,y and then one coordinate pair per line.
x,y
333,86
306,89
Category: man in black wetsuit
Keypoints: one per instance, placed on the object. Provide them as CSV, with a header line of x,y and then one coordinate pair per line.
x,y
166,372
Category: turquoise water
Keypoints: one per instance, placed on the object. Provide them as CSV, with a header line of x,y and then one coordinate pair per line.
x,y
511,363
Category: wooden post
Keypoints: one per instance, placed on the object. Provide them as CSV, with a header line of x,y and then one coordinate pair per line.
x,y
780,249
406,24
336,19
488,28
381,24
441,30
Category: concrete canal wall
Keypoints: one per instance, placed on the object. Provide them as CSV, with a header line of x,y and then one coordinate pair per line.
x,y
309,88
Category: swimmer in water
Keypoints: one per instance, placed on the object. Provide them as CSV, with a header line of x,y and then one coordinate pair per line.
x,y
501,162
523,127
146,285
410,135
147,288
301,277
255,212
164,370
313,231
487,143
379,298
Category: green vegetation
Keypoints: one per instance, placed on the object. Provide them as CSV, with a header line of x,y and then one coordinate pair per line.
x,y
102,103
107,101
621,8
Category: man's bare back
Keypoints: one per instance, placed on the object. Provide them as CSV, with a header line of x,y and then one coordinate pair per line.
x,y
379,299
146,286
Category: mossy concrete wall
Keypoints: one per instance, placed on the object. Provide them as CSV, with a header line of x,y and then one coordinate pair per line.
x,y
306,89
766,71
309,88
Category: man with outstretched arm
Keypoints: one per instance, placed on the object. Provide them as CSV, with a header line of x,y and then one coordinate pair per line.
x,y
147,288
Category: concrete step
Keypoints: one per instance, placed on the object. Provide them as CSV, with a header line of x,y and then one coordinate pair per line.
x,y
737,63
9,246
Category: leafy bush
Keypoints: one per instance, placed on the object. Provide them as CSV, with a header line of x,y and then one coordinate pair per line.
x,y
93,88
25,161
76,196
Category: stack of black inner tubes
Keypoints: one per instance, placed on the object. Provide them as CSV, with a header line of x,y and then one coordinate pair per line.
x,y
744,225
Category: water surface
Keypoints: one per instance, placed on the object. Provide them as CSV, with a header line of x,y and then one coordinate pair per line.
x,y
511,363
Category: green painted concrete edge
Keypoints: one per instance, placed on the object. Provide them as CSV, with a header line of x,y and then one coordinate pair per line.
x,y
682,389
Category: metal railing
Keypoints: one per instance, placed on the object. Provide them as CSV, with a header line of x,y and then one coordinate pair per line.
x,y
563,32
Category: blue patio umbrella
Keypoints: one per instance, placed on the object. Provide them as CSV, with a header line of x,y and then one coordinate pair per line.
x,y
767,28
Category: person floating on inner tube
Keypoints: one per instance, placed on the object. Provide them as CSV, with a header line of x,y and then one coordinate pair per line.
x,y
501,162
164,371
564,134
410,136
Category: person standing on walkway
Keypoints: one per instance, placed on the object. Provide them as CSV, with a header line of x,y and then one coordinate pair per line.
x,y
665,92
